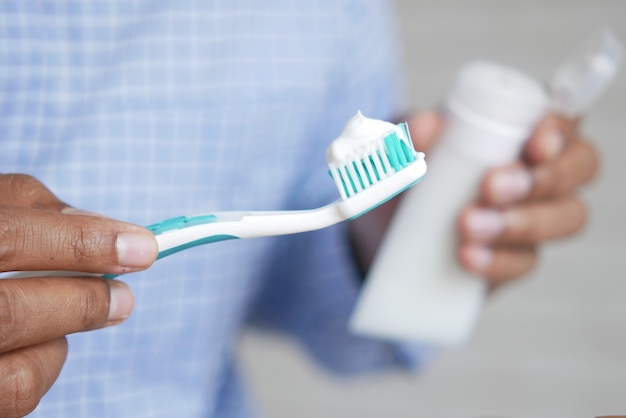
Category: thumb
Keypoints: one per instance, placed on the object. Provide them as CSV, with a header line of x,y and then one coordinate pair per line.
x,y
551,137
34,240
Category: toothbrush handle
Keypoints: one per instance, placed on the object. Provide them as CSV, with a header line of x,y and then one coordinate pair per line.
x,y
177,234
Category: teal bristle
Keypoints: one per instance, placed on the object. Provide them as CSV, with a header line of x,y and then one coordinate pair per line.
x,y
371,164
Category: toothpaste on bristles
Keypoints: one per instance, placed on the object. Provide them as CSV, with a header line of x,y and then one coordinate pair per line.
x,y
367,152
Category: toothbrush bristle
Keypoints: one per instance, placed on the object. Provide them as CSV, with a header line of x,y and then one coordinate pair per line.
x,y
373,163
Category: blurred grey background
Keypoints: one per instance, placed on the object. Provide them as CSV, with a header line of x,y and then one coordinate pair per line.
x,y
553,345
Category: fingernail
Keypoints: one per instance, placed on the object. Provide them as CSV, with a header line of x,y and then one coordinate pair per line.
x,y
121,304
485,224
510,185
552,144
479,257
135,249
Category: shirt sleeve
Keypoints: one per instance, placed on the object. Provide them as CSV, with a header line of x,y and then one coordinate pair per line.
x,y
312,283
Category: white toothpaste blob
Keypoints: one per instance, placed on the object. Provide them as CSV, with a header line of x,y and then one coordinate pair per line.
x,y
359,131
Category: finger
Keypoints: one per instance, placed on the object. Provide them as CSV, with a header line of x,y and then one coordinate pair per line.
x,y
31,239
26,191
550,138
497,265
40,309
577,165
505,185
27,374
537,222
526,224
425,128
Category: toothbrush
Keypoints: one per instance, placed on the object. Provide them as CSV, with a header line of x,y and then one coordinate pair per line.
x,y
370,162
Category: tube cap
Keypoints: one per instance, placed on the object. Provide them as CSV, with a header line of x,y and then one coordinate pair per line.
x,y
492,110
499,94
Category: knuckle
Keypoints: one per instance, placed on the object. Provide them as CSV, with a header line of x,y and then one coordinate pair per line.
x,y
9,331
94,305
553,181
520,227
20,237
19,388
24,188
513,264
581,165
84,245
579,214
533,235
8,235
593,160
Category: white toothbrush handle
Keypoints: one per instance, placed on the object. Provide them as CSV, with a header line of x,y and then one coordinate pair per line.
x,y
179,233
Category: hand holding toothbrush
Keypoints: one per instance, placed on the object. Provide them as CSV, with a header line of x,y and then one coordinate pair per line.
x,y
47,242
39,232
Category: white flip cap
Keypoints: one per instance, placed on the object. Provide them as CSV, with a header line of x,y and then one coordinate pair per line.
x,y
496,108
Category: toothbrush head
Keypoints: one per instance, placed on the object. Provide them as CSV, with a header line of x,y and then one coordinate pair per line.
x,y
371,162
